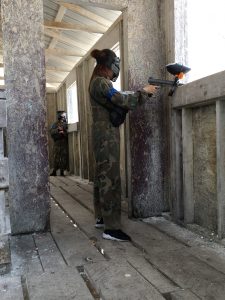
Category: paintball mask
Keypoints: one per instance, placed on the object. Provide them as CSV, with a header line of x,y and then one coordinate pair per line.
x,y
115,67
61,115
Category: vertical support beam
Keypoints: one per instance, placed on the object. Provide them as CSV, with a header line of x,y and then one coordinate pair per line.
x,y
1,143
22,26
220,161
176,166
51,116
82,123
187,165
2,212
87,127
125,86
2,192
146,122
175,44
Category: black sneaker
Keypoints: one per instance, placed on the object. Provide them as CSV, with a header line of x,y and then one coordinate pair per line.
x,y
116,235
99,223
62,173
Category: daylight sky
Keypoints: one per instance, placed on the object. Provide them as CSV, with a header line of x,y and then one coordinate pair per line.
x,y
206,37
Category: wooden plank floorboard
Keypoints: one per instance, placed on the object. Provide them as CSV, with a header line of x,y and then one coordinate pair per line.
x,y
178,264
50,256
11,288
77,193
214,258
75,247
183,295
81,183
119,281
24,255
189,272
121,252
211,253
169,256
150,273
148,236
63,285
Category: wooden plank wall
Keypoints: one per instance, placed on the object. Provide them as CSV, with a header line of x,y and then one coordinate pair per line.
x,y
55,102
51,118
203,159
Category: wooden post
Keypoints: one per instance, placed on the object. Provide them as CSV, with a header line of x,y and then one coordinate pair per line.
x,y
220,161
24,60
187,165
176,166
146,167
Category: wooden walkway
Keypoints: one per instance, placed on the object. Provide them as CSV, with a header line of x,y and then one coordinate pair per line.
x,y
163,261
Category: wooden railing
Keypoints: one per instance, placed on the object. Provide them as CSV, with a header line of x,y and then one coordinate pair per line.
x,y
189,99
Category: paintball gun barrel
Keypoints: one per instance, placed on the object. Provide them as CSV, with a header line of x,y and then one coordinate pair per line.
x,y
175,69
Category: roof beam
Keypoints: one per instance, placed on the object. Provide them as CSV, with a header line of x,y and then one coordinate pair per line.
x,y
62,60
62,52
86,13
51,90
53,81
55,76
58,18
73,27
57,69
83,47
112,4
52,85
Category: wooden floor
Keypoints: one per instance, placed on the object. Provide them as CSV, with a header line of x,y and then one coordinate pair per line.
x,y
163,261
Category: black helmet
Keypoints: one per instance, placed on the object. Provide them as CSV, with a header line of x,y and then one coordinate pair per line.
x,y
108,58
61,115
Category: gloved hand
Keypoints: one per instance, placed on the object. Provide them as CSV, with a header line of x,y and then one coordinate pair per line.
x,y
150,89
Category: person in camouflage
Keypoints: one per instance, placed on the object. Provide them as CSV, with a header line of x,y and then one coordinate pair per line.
x,y
58,132
106,141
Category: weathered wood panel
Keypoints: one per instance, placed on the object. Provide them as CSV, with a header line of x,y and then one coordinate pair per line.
x,y
187,165
204,166
220,162
176,179
203,91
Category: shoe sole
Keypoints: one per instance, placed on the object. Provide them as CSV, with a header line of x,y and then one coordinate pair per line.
x,y
109,237
99,225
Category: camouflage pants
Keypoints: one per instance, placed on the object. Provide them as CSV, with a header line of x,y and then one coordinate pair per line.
x,y
60,152
107,186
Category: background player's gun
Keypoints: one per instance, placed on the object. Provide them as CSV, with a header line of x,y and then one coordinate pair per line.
x,y
175,69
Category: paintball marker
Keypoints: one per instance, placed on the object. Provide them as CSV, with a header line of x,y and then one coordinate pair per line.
x,y
175,69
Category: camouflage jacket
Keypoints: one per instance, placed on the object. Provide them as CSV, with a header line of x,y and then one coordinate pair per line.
x,y
103,95
57,134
